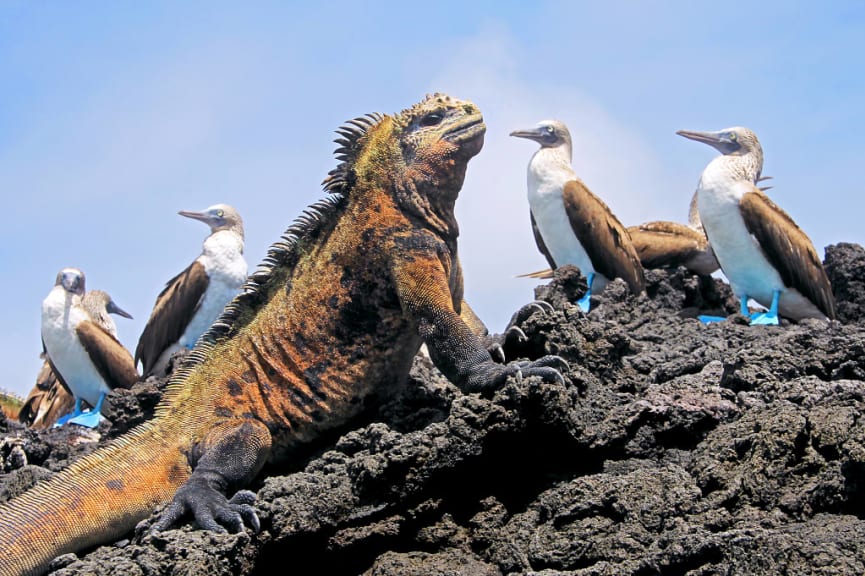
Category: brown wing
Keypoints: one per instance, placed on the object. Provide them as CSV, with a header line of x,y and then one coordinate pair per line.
x,y
47,401
54,369
788,249
113,362
175,306
539,240
44,381
602,235
665,244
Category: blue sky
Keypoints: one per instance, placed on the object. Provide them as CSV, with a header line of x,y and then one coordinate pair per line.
x,y
114,116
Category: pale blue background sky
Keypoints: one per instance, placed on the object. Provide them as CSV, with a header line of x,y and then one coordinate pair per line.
x,y
113,116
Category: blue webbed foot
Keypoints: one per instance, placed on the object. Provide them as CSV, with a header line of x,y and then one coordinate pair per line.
x,y
707,319
89,419
67,417
93,418
770,317
743,306
64,419
764,319
585,302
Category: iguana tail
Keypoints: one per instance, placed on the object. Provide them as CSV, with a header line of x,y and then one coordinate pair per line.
x,y
98,498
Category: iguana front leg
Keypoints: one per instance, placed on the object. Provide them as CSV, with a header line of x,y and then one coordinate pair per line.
x,y
229,457
479,329
422,284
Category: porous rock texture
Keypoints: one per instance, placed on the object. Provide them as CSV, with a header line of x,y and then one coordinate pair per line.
x,y
673,447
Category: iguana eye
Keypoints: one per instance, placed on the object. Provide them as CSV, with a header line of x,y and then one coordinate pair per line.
x,y
431,119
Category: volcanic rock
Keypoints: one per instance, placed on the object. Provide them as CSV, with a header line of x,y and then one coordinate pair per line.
x,y
672,447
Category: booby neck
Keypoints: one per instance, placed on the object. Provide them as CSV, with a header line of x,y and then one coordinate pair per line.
x,y
550,166
59,304
221,240
235,228
724,171
222,258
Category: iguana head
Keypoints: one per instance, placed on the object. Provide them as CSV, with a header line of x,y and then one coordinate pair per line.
x,y
422,150
437,128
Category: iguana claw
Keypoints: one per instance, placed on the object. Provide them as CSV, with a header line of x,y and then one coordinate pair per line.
x,y
545,306
211,509
551,360
497,353
547,367
513,333
545,372
527,310
518,332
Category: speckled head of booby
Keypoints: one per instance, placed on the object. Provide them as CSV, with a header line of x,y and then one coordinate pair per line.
x,y
218,217
112,308
72,280
549,134
729,141
105,301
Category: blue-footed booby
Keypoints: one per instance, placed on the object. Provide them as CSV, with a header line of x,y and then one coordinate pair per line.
x,y
761,250
49,399
194,299
85,357
571,225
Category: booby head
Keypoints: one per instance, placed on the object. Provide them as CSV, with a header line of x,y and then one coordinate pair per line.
x,y
742,154
104,300
734,141
218,217
547,133
72,280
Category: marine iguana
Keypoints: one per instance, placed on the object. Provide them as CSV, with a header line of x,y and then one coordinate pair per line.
x,y
336,312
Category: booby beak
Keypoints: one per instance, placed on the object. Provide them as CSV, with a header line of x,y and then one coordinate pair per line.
x,y
710,138
113,308
720,140
201,216
532,134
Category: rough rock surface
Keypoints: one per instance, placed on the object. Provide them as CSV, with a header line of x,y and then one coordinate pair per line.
x,y
673,448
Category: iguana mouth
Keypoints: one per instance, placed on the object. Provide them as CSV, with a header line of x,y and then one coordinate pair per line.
x,y
466,131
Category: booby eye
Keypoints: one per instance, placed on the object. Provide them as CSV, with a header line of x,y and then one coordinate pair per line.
x,y
220,213
431,119
551,130
732,136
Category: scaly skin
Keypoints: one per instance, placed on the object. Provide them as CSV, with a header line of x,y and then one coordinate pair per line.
x,y
336,314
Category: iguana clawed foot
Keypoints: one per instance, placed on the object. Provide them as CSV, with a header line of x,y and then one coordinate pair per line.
x,y
547,367
513,333
527,310
492,376
212,510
